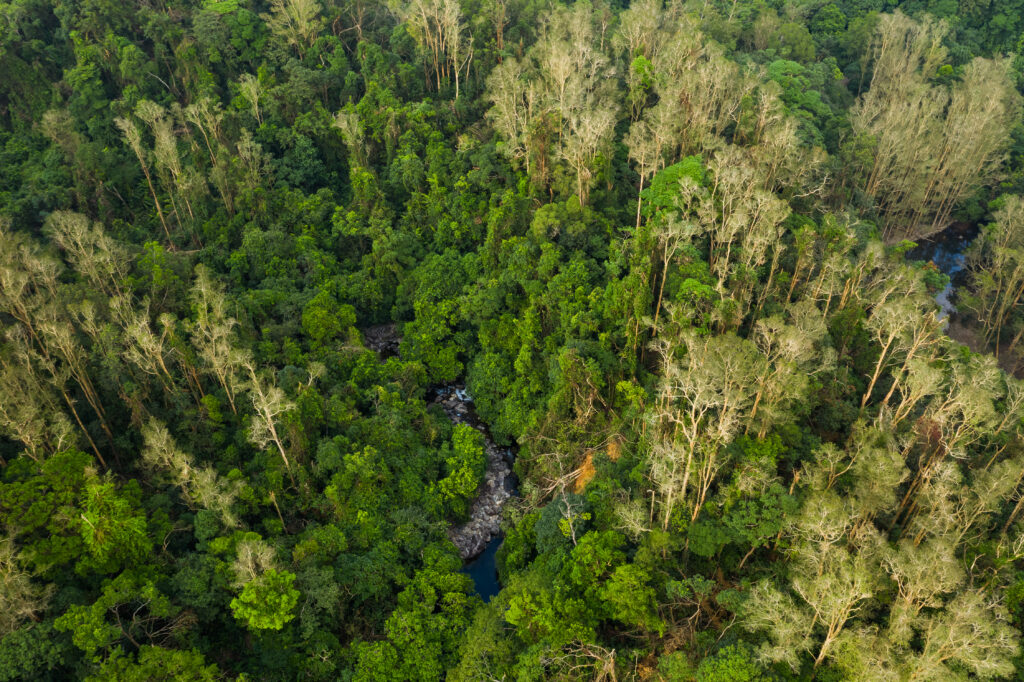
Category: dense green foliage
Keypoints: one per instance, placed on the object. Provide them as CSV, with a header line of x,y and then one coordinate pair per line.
x,y
662,245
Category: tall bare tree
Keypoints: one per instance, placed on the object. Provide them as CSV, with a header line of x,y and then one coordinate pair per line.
x,y
996,263
556,109
438,28
934,145
213,334
270,404
297,23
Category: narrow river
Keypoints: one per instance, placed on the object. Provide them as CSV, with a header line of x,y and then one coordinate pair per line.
x,y
947,250
480,536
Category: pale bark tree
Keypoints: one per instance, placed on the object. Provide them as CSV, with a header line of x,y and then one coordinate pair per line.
x,y
439,30
460,47
703,400
28,279
213,334
785,163
256,170
111,348
743,223
921,380
924,575
270,404
163,455
972,632
641,34
895,326
59,126
861,653
513,99
934,145
141,346
642,28
31,413
671,236
830,584
690,93
805,244
174,176
836,593
588,137
900,110
351,128
559,104
206,116
200,485
958,511
102,261
698,87
29,293
65,346
784,621
296,23
966,412
793,355
252,91
823,524
924,341
645,151
877,468
133,137
960,415
984,106
34,363
868,469
21,598
996,263
253,557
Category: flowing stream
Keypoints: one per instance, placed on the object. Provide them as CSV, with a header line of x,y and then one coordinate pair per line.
x,y
946,250
479,537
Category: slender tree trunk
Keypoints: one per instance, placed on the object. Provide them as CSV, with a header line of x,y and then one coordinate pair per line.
x,y
639,201
156,201
78,419
661,287
1013,515
878,371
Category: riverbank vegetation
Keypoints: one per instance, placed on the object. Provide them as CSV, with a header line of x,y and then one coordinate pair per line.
x,y
664,246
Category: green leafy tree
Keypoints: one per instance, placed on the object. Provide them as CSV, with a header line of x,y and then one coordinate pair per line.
x,y
732,663
113,527
268,601
156,664
465,468
324,320
131,609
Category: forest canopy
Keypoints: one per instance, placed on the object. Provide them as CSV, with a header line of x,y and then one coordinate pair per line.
x,y
740,284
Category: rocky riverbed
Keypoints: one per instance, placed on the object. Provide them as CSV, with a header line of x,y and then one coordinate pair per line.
x,y
498,486
499,483
384,339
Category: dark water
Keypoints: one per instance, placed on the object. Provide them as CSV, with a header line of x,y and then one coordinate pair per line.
x,y
484,570
946,251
